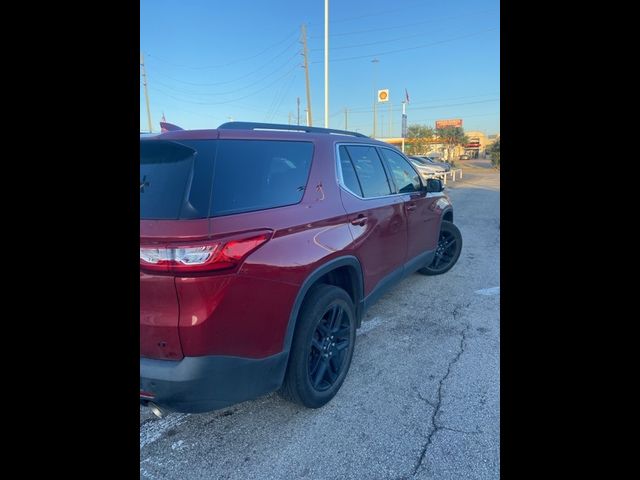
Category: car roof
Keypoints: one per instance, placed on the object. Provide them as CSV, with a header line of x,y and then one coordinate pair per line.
x,y
266,131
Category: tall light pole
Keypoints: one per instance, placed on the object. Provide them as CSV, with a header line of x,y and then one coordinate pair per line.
x,y
326,63
375,61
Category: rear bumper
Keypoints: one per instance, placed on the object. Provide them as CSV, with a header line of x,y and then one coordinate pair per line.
x,y
202,384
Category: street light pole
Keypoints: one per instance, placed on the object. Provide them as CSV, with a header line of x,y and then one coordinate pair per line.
x,y
375,61
326,63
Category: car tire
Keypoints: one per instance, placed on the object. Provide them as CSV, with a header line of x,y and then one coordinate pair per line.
x,y
447,252
322,347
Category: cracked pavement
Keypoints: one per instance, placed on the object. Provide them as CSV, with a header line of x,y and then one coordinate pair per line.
x,y
421,400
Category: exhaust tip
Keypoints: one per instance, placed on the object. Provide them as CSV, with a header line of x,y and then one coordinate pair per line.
x,y
156,410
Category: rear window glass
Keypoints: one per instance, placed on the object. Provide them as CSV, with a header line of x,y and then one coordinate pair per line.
x,y
175,179
259,174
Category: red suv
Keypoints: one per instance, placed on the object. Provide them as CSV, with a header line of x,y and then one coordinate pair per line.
x,y
261,247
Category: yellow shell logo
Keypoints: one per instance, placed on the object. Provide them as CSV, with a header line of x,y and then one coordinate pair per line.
x,y
383,95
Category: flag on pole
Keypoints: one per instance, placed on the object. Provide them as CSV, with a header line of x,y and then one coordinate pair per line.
x,y
163,128
406,95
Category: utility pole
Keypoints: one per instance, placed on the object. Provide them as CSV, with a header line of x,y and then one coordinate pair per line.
x,y
306,72
298,100
146,93
289,118
326,63
346,119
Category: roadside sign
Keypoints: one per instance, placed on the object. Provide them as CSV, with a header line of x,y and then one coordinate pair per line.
x,y
456,122
383,95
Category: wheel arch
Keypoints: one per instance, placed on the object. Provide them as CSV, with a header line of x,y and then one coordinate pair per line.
x,y
447,215
343,272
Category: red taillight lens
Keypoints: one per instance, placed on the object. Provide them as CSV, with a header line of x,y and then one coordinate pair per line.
x,y
202,257
147,395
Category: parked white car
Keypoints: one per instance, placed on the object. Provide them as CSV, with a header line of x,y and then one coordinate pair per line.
x,y
425,168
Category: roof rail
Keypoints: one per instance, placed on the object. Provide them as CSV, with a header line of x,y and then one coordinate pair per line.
x,y
277,126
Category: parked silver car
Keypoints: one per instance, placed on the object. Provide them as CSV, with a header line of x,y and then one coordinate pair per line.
x,y
435,161
426,168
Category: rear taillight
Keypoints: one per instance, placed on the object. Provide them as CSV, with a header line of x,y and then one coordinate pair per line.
x,y
206,256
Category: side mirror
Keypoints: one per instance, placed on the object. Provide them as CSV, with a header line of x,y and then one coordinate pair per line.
x,y
434,185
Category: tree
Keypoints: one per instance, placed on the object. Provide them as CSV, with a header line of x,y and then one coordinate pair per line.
x,y
419,135
494,151
451,137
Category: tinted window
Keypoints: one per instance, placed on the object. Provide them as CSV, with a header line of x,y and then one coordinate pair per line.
x,y
258,174
175,179
404,176
349,177
370,171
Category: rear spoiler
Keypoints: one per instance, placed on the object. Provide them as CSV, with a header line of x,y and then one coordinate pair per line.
x,y
169,127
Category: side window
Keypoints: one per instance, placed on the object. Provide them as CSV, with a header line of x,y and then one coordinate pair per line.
x,y
405,177
369,170
252,175
349,177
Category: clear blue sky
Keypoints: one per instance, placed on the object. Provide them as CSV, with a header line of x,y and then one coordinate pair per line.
x,y
209,61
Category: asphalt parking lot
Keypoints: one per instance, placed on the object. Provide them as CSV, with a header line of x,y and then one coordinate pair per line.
x,y
421,399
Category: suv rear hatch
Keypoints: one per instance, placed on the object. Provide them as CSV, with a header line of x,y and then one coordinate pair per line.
x,y
175,190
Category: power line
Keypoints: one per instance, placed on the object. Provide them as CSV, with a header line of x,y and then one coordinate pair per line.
x,y
269,62
276,98
375,43
228,101
385,12
257,82
456,104
411,48
432,106
228,63
433,20
463,117
422,102
284,94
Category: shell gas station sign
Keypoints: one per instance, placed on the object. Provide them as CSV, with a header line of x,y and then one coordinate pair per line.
x,y
383,95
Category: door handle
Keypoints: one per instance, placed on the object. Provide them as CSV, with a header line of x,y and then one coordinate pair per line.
x,y
361,220
411,207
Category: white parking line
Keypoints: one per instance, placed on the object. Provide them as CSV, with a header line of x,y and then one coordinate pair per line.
x,y
488,291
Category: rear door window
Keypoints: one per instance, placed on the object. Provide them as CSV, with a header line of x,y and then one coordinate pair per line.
x,y
369,170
